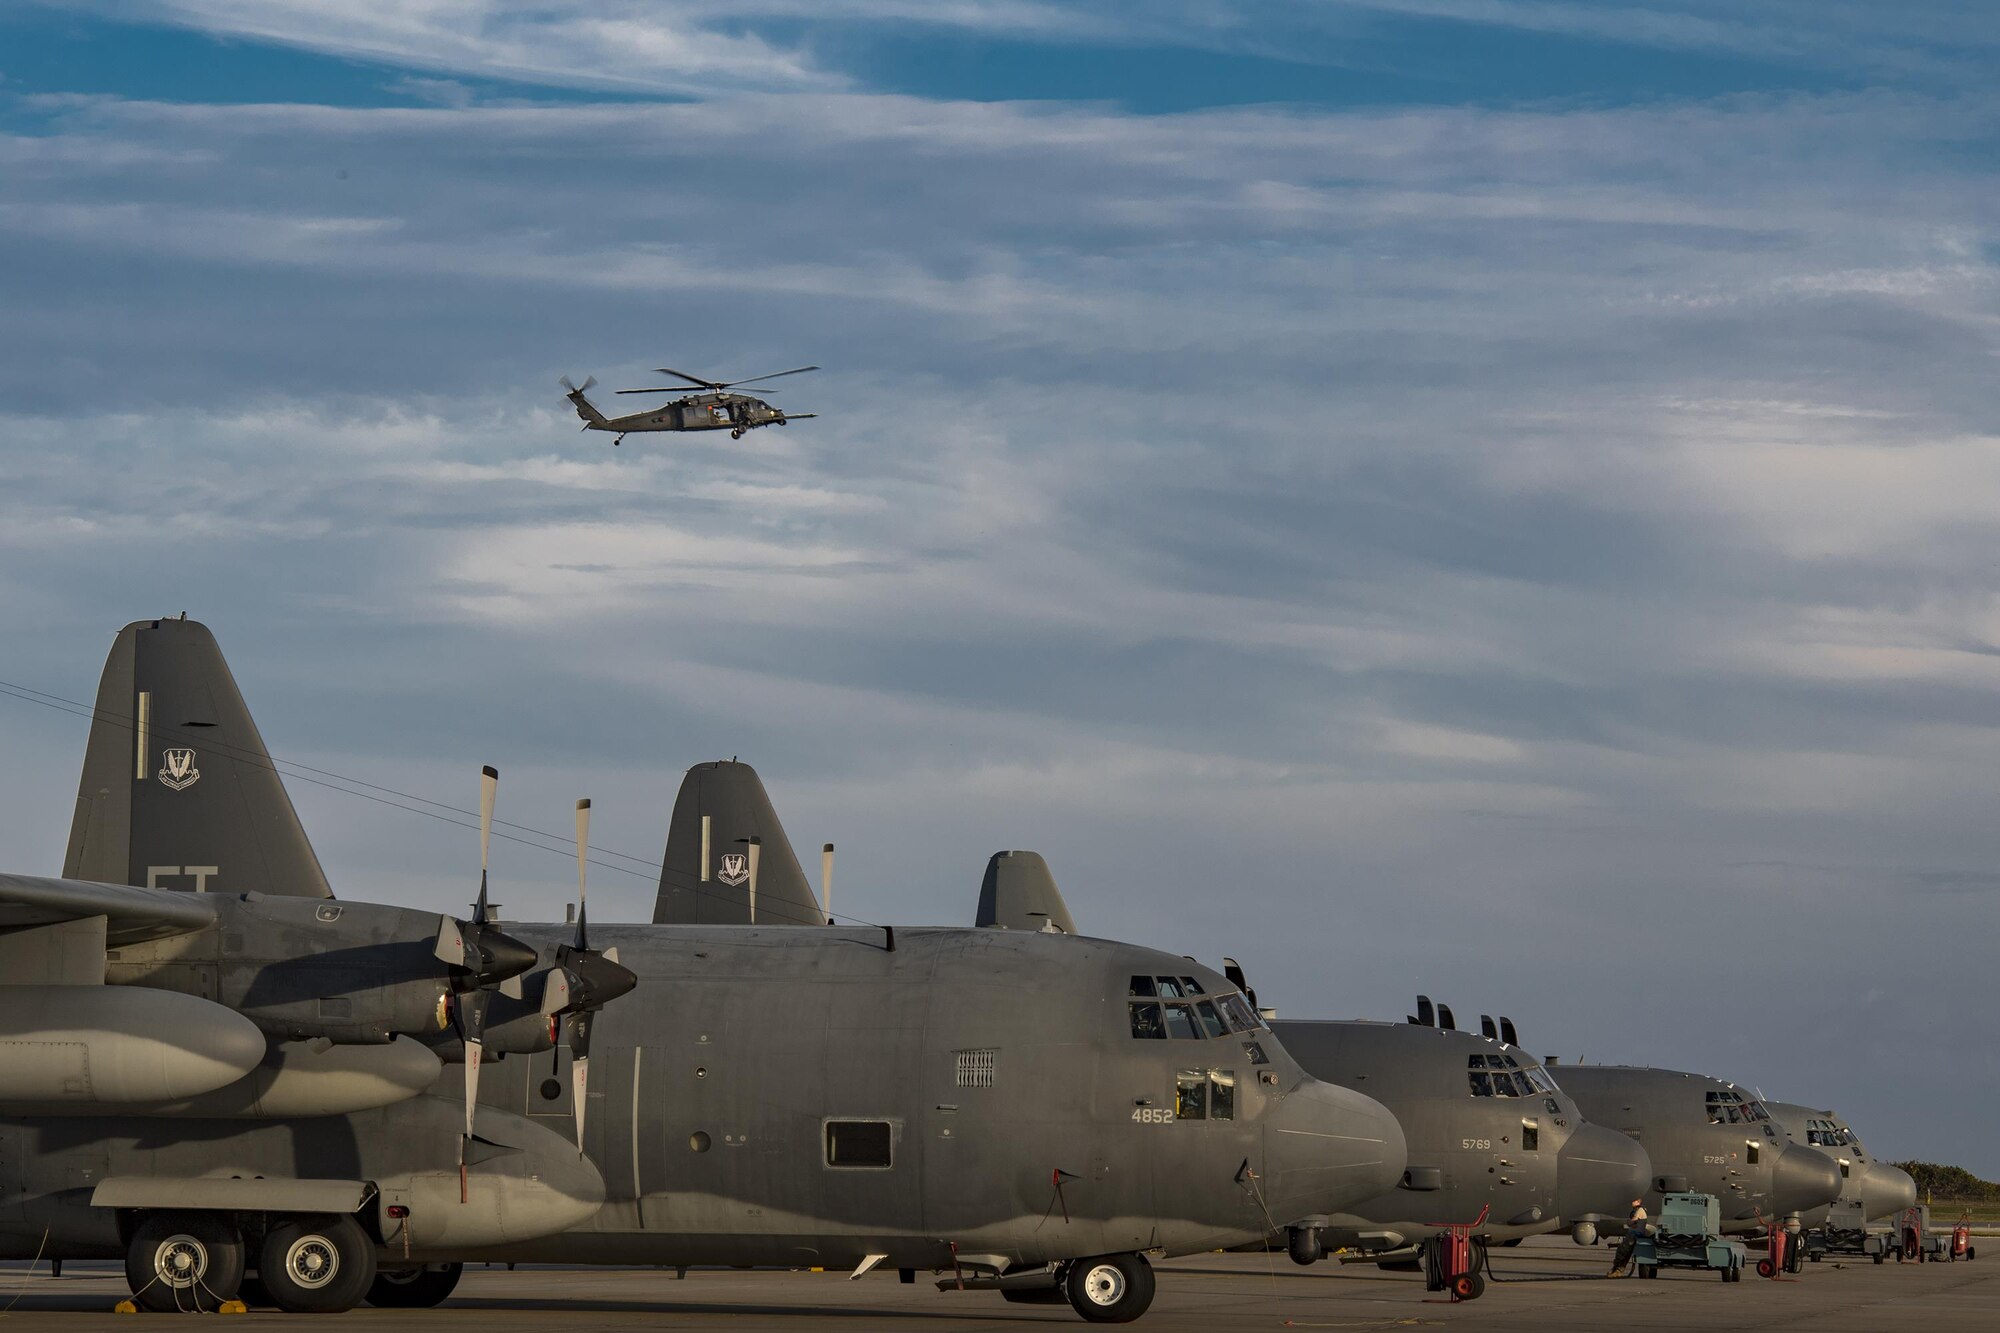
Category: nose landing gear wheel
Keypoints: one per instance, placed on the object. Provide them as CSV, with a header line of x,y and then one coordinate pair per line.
x,y
414,1288
1113,1289
317,1265
184,1261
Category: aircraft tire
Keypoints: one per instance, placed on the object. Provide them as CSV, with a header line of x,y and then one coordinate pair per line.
x,y
317,1265
413,1288
1879,1256
184,1261
1110,1289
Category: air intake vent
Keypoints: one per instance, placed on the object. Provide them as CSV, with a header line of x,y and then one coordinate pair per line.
x,y
975,1068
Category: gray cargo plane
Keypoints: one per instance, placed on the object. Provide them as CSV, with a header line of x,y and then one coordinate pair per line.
x,y
1708,1135
1874,1187
1492,1140
1491,1135
981,1102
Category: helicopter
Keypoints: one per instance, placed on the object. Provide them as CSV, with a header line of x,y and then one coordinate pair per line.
x,y
710,407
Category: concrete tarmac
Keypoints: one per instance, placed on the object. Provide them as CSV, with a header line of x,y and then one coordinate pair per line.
x,y
1547,1286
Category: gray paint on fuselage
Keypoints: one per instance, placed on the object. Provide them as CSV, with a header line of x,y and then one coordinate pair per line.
x,y
1879,1188
756,1036
1576,1172
1666,1110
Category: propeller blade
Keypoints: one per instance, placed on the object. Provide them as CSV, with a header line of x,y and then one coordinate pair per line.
x,y
556,992
450,947
611,954
567,386
756,853
588,381
691,379
489,787
473,1051
776,374
579,1071
826,881
582,861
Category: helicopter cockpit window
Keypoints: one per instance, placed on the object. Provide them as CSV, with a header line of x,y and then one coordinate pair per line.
x,y
1180,1022
1146,1021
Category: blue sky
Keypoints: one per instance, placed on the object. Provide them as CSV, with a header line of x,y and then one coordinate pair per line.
x,y
1455,495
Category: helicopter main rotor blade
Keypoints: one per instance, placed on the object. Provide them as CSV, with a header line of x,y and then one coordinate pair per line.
x,y
800,370
691,379
664,388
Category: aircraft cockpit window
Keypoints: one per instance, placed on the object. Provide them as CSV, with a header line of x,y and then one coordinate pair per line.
x,y
1242,1018
1189,986
1180,1022
1211,1021
1256,1053
1191,1095
1142,986
1538,1079
1146,1021
1205,1094
1482,1083
1170,987
1754,1112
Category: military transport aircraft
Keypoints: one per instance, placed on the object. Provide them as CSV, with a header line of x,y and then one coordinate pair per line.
x,y
978,1102
1491,1135
1708,1135
1877,1189
1492,1141
713,407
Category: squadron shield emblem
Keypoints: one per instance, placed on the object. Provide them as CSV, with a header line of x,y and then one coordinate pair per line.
x,y
180,771
735,869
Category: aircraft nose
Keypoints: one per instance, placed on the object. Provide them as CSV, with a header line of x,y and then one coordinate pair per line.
x,y
1327,1148
1802,1179
1887,1190
1598,1173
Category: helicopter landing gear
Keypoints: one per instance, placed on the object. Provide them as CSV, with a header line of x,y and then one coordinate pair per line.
x,y
736,434
620,440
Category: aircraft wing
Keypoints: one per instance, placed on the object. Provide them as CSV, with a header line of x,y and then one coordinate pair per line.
x,y
132,914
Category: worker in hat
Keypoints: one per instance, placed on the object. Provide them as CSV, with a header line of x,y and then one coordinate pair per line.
x,y
1636,1226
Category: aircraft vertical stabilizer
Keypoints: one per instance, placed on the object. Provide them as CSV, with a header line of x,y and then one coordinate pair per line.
x,y
178,791
732,799
1019,893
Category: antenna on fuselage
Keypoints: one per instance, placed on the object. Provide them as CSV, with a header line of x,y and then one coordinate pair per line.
x,y
1507,1033
1426,1016
1486,1028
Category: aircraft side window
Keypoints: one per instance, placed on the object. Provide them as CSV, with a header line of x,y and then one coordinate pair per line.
x,y
1256,1053
1189,986
1512,1063
1237,1010
1482,1083
859,1143
1170,987
1211,1021
1750,1152
1146,1021
1531,1136
1191,1095
1735,1117
1221,1094
1142,986
1180,1022
1843,1168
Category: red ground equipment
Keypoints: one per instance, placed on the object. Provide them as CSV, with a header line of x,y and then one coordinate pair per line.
x,y
1451,1260
1781,1251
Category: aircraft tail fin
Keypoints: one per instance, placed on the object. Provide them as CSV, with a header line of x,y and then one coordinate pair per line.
x,y
178,790
584,408
1019,893
706,878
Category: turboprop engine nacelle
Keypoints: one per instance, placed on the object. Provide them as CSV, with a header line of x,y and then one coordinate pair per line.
x,y
84,1046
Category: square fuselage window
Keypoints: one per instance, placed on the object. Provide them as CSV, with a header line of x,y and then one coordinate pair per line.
x,y
858,1143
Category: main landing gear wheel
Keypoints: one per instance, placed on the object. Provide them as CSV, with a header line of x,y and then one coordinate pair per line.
x,y
414,1288
317,1265
184,1261
1114,1289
